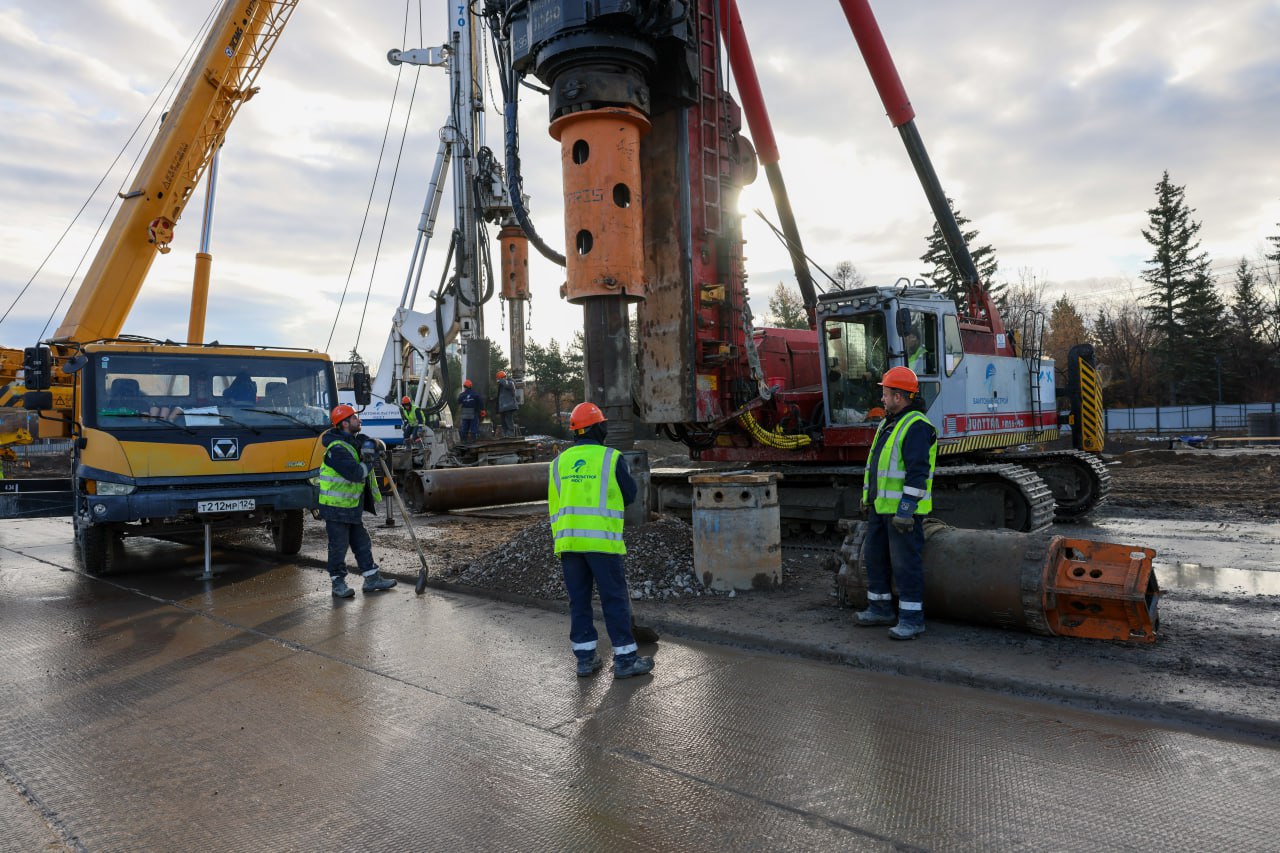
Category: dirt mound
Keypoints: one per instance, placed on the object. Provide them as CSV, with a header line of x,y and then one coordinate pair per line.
x,y
1240,484
659,563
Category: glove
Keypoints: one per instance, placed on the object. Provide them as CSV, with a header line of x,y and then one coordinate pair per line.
x,y
904,520
369,454
483,413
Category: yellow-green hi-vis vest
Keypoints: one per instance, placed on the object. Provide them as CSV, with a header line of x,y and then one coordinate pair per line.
x,y
585,502
891,473
337,490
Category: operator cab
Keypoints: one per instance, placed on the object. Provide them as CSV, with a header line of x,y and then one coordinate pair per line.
x,y
866,331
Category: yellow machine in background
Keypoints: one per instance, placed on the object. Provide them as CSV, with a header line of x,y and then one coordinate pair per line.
x,y
172,439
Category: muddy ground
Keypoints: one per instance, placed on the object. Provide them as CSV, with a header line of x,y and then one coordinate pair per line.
x,y
1213,517
1216,661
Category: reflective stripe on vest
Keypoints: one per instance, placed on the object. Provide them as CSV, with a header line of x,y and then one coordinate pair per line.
x,y
409,415
891,475
337,490
584,501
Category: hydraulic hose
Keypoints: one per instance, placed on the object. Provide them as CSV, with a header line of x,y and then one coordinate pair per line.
x,y
515,183
771,439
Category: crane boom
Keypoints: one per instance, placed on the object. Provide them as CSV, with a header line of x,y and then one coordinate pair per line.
x,y
219,81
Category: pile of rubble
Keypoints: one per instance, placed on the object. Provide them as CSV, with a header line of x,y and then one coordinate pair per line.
x,y
659,563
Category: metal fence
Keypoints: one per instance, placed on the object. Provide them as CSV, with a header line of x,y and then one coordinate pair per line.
x,y
1213,417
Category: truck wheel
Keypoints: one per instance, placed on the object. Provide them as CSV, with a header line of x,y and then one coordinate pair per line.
x,y
286,532
98,544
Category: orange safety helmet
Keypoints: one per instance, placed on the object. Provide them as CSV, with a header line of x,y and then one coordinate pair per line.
x,y
585,415
902,378
466,383
405,399
340,413
502,374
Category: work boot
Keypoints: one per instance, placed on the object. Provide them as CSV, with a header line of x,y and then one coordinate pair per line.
x,y
879,613
910,625
341,590
589,665
626,666
376,583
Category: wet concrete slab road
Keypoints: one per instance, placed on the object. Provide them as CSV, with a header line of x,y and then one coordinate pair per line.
x,y
154,711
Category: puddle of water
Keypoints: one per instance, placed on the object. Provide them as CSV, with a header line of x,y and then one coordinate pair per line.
x,y
1217,579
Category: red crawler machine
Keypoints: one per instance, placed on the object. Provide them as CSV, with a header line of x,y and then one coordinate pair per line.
x,y
654,157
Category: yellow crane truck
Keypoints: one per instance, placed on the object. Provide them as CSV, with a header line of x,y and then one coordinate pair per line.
x,y
172,439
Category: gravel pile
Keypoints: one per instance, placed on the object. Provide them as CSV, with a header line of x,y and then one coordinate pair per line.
x,y
659,563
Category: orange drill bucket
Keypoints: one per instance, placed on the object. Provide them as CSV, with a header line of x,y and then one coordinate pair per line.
x,y
515,262
603,217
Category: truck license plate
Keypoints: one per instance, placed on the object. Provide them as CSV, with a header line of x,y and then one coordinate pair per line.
x,y
236,505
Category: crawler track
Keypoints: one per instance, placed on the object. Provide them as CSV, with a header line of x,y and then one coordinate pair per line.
x,y
812,499
1080,481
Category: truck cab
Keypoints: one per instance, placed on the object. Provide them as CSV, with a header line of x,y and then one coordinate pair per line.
x,y
177,437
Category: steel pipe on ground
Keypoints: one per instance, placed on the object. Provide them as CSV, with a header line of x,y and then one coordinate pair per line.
x,y
1033,582
440,489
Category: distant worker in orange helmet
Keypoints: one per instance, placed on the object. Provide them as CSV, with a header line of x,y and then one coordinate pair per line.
x,y
508,404
897,490
412,418
589,485
470,404
349,488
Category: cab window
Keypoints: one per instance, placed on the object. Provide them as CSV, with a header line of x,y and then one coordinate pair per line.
x,y
920,346
857,355
954,346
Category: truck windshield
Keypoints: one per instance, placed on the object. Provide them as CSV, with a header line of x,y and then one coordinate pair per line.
x,y
857,356
149,391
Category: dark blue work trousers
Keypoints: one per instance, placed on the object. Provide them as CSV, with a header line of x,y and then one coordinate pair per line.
x,y
897,555
470,427
342,536
606,572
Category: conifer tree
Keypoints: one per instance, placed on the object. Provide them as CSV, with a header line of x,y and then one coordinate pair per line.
x,y
1244,365
786,309
1185,307
942,267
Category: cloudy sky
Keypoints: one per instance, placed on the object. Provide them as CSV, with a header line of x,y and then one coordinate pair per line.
x,y
1049,123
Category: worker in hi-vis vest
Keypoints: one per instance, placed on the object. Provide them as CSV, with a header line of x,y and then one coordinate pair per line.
x,y
897,490
588,487
348,487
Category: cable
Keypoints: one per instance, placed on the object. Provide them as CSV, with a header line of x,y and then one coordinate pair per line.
x,y
133,167
182,63
386,212
787,243
376,171
509,81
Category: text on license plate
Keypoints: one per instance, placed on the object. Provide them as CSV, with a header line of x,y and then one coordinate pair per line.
x,y
237,505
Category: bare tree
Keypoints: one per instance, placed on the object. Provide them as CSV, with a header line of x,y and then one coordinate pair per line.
x,y
1023,300
847,276
1126,341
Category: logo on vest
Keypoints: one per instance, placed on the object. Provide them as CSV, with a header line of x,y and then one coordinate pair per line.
x,y
224,449
577,466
